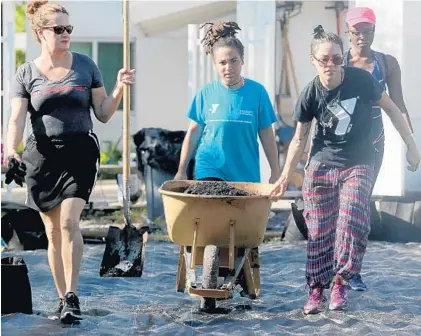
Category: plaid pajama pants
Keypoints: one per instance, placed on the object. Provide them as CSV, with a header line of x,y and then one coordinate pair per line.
x,y
337,215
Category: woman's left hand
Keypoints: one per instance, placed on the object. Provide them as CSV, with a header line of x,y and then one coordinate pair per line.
x,y
280,187
413,158
125,76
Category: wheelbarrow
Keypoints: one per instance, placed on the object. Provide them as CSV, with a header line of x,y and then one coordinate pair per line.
x,y
219,233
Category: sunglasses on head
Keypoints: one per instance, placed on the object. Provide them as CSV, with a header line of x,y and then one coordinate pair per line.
x,y
336,60
58,30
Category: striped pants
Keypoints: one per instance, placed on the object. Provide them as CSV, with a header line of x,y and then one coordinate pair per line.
x,y
337,215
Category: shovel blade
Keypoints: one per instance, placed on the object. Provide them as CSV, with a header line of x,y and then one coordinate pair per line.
x,y
124,252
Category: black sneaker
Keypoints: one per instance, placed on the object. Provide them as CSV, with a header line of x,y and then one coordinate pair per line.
x,y
57,313
71,310
357,284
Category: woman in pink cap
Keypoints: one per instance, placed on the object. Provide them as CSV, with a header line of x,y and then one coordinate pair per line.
x,y
361,22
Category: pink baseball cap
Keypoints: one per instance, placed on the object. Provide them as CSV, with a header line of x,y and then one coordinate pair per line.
x,y
360,14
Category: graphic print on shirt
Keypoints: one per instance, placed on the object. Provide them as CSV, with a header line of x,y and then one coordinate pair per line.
x,y
343,111
229,111
214,108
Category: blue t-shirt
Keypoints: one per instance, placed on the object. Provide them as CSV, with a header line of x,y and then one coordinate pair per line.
x,y
231,119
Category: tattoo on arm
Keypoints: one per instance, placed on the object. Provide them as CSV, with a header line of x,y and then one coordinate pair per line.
x,y
302,131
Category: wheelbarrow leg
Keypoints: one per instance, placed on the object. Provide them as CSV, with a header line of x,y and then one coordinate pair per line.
x,y
191,274
239,262
194,249
249,278
232,245
181,271
255,265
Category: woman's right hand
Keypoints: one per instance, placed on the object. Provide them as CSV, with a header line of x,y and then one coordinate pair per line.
x,y
180,176
413,158
17,169
9,156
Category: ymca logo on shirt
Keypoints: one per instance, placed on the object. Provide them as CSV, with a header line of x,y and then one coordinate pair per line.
x,y
214,108
343,111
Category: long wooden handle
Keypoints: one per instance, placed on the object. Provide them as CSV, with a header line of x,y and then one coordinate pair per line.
x,y
126,117
126,94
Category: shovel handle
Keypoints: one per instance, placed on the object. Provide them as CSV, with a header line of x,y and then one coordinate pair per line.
x,y
126,94
126,115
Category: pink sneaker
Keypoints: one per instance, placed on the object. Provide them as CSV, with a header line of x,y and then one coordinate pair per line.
x,y
339,295
315,302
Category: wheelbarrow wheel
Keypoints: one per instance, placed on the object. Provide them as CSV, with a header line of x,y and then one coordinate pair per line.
x,y
210,275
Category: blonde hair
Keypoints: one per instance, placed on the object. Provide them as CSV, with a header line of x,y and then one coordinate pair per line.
x,y
39,12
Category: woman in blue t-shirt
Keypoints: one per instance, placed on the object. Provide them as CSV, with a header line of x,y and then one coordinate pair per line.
x,y
340,172
227,115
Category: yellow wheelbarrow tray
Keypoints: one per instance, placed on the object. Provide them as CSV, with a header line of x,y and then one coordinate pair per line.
x,y
234,225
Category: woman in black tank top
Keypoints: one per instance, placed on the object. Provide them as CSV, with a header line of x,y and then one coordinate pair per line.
x,y
361,23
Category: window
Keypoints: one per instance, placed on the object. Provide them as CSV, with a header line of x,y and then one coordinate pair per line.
x,y
82,48
109,58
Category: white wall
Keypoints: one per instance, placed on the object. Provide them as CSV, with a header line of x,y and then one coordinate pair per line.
x,y
7,63
149,10
20,41
411,65
102,20
162,80
161,89
301,28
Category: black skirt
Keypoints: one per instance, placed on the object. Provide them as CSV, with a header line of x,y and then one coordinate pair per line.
x,y
59,168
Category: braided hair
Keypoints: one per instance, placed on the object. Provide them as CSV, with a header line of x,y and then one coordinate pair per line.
x,y
320,36
221,34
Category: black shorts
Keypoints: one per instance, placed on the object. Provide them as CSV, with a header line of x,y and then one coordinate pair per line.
x,y
59,168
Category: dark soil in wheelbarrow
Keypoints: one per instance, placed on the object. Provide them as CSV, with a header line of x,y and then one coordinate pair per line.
x,y
215,189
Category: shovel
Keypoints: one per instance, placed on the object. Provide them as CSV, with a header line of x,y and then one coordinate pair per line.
x,y
125,248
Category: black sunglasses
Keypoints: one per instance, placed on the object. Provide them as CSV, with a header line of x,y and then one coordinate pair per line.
x,y
336,60
58,30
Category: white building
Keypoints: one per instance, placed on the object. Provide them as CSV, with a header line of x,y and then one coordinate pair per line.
x,y
170,65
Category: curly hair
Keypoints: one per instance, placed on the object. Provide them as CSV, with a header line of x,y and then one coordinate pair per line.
x,y
221,34
39,12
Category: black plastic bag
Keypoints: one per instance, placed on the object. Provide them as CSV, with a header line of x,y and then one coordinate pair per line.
x,y
16,293
27,224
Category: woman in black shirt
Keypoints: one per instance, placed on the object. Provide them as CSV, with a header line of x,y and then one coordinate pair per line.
x,y
340,171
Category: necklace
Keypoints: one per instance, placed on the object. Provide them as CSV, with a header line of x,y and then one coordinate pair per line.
x,y
241,80
326,113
